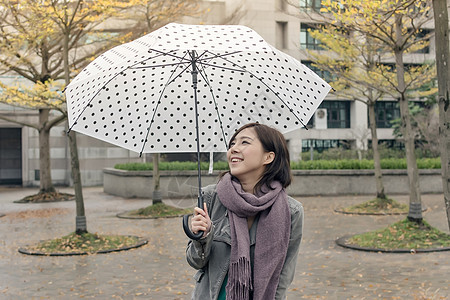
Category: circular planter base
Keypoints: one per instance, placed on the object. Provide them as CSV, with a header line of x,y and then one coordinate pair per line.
x,y
342,241
127,215
35,199
140,243
342,211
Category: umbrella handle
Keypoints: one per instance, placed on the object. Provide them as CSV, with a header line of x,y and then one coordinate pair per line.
x,y
186,228
188,231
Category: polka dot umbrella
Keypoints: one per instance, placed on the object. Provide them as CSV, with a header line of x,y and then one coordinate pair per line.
x,y
187,88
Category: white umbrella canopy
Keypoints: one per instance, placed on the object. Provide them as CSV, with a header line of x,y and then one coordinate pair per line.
x,y
143,95
187,88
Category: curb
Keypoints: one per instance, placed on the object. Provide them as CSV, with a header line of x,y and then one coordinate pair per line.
x,y
342,241
137,245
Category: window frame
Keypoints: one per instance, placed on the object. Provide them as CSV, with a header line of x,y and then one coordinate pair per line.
x,y
315,5
386,122
306,40
322,145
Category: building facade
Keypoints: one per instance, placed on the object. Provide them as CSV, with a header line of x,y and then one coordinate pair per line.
x,y
337,123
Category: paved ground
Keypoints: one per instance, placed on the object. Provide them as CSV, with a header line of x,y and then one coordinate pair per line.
x,y
159,270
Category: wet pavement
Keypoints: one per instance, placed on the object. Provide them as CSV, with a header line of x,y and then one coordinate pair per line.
x,y
159,270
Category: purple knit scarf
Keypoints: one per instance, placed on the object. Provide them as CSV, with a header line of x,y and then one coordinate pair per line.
x,y
272,238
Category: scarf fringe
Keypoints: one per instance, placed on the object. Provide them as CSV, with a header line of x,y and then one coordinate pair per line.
x,y
240,280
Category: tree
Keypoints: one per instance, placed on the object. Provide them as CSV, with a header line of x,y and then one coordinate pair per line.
x,y
15,58
442,61
397,25
45,41
353,66
61,37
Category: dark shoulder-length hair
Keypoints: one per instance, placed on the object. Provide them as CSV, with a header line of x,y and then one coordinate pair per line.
x,y
272,141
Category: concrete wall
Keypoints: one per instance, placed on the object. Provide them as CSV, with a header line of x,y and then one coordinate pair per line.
x,y
184,184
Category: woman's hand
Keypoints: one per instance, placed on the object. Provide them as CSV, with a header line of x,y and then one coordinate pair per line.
x,y
201,220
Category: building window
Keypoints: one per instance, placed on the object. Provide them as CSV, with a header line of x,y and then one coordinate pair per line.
x,y
281,35
325,75
423,35
391,67
338,113
385,112
321,145
11,156
390,144
311,5
306,40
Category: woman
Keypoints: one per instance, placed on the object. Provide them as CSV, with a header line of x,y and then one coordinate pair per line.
x,y
252,229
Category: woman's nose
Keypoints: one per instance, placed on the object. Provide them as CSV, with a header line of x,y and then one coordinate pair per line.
x,y
234,149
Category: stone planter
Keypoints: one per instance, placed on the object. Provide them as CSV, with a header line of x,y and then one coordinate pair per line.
x,y
184,184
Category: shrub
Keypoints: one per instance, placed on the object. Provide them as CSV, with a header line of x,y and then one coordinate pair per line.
x,y
342,164
134,166
340,153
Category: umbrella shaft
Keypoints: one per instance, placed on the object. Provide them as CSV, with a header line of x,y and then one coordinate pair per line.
x,y
194,73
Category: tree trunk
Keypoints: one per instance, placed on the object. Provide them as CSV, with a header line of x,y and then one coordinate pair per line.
x,y
80,226
415,202
443,73
156,197
80,219
45,176
376,153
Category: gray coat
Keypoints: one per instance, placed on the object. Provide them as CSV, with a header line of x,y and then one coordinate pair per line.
x,y
211,255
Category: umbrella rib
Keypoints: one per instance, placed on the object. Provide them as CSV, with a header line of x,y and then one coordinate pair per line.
x,y
99,90
275,93
221,67
187,66
158,66
198,58
173,55
205,77
169,80
214,56
92,98
217,55
181,58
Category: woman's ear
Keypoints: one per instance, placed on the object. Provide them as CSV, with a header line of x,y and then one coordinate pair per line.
x,y
269,157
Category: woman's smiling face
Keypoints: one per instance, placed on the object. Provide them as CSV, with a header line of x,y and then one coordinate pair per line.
x,y
247,158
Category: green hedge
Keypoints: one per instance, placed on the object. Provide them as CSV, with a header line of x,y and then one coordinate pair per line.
x,y
342,164
340,153
354,164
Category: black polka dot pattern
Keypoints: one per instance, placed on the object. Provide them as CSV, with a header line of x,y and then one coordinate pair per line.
x,y
140,95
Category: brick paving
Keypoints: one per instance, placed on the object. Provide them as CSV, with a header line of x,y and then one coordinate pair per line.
x,y
159,270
